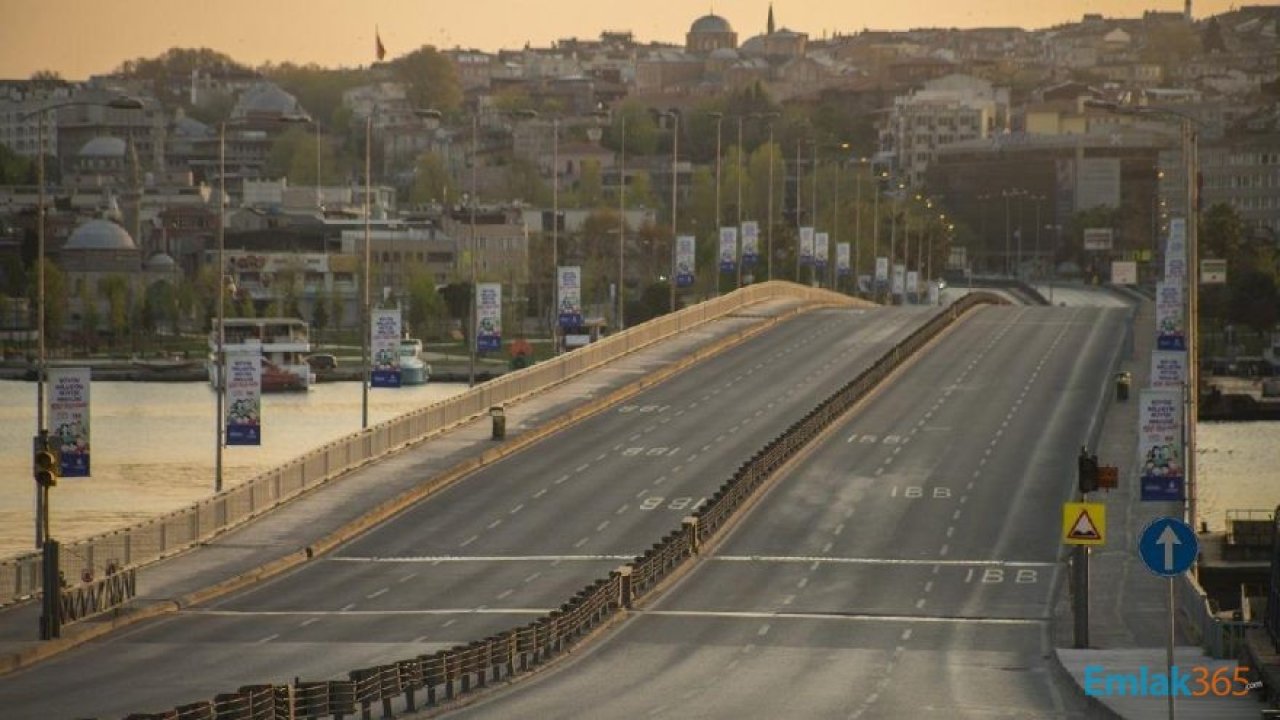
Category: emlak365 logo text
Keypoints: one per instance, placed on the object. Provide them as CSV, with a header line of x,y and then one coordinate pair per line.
x,y
1193,681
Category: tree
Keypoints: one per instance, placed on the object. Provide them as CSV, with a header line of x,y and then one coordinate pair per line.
x,y
14,169
293,155
429,79
160,307
525,182
1253,300
89,316
426,306
642,132
431,181
590,187
319,317
116,289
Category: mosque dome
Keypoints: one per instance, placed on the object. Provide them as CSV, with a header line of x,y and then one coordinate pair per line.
x,y
104,147
710,24
161,262
99,235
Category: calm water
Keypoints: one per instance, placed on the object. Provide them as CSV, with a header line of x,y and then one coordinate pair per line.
x,y
153,448
153,451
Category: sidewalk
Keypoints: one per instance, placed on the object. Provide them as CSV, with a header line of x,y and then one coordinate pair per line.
x,y
1129,613
339,510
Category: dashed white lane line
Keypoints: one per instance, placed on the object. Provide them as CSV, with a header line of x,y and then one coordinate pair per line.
x,y
494,524
920,604
516,509
581,542
622,509
802,582
582,467
540,493
602,526
408,577
505,594
309,621
347,607
906,634
764,630
561,479
268,638
468,541
928,586
532,577
376,593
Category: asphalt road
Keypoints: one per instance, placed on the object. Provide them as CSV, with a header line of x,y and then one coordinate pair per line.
x,y
906,568
518,538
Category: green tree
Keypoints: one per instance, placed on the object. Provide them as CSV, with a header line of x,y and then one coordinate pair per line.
x,y
642,131
160,308
1253,300
590,187
425,305
431,181
116,290
293,155
429,79
319,318
525,182
640,190
14,169
89,316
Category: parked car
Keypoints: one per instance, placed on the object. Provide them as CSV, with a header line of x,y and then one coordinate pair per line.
x,y
322,361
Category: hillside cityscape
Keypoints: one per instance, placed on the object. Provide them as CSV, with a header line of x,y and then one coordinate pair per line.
x,y
988,151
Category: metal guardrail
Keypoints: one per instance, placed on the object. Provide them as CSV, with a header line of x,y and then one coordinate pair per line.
x,y
1221,639
85,601
173,532
446,675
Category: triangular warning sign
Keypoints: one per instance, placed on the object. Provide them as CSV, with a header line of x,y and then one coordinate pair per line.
x,y
1084,528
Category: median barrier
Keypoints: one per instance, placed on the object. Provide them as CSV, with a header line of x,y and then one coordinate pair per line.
x,y
448,675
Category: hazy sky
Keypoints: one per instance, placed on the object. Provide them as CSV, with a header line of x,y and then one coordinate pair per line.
x,y
81,37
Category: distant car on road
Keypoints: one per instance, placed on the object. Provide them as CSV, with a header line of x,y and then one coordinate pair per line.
x,y
322,361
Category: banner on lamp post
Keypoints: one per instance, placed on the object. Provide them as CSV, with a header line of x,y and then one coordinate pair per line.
x,y
489,317
1160,451
244,398
882,270
750,243
843,269
728,249
385,347
569,284
69,419
1175,252
806,246
685,261
821,251
899,279
1170,333
1168,368
913,283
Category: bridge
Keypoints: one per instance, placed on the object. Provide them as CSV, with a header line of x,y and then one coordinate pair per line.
x,y
783,504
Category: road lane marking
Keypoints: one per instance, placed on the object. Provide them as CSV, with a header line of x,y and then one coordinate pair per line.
x,y
532,577
376,593
516,509
561,479
495,523
268,638
540,493
482,558
347,607
764,630
855,617
309,621
602,526
468,541
581,542
505,594
818,559
408,577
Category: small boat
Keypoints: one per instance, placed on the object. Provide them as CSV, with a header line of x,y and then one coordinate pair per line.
x,y
283,342
413,369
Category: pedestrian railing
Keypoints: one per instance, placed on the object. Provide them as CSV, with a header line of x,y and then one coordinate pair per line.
x,y
173,532
448,675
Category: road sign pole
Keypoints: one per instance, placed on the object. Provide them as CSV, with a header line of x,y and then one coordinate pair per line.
x,y
1081,604
1169,648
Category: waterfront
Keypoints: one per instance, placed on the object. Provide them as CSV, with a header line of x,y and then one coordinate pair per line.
x,y
153,451
153,448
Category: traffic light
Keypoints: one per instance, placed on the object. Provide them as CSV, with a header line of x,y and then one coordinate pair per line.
x,y
1087,471
45,464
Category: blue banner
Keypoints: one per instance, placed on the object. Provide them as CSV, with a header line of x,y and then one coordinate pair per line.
x,y
569,291
750,243
728,249
385,347
685,258
1163,489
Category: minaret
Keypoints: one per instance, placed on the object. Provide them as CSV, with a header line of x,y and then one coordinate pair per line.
x,y
1186,12
769,26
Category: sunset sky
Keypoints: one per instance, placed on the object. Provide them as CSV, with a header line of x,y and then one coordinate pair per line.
x,y
78,38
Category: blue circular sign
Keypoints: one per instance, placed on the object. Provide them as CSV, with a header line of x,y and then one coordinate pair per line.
x,y
1168,546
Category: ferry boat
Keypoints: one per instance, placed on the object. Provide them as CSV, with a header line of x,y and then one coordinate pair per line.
x,y
413,369
284,343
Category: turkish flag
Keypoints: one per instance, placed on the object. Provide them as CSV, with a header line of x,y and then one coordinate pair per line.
x,y
378,48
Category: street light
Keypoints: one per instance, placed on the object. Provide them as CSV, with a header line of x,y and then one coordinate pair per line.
x,y
675,184
471,332
622,218
770,116
1008,237
718,117
1191,170
739,173
122,102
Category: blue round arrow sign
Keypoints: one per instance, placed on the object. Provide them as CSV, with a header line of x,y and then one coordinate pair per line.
x,y
1168,546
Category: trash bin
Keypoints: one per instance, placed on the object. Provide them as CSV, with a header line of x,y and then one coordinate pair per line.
x,y
1123,380
499,422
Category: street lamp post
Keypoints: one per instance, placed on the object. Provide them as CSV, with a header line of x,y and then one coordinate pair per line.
x,y
122,102
1189,127
471,331
622,218
719,117
675,184
738,250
